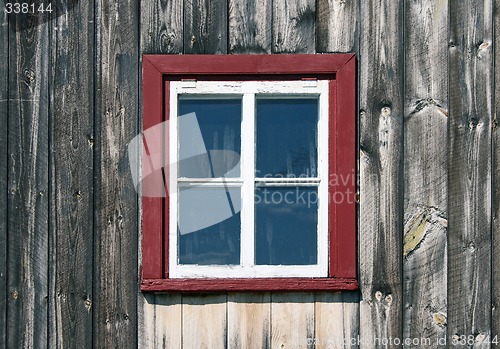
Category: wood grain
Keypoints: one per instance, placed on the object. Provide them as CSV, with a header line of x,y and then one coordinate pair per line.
x,y
4,92
336,320
469,171
495,325
205,26
381,175
28,208
162,26
116,210
160,321
71,161
294,26
204,321
249,320
337,26
250,26
292,323
425,168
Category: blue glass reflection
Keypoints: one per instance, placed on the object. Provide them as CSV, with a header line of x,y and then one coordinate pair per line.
x,y
219,121
286,137
209,226
286,225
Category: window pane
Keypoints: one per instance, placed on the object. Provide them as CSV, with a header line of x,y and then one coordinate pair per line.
x,y
209,146
209,225
286,225
286,136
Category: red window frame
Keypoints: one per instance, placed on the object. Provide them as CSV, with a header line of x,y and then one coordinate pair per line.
x,y
340,69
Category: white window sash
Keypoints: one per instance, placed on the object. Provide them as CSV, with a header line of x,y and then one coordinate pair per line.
x,y
249,91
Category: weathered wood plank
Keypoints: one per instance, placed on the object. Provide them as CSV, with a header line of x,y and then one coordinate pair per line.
x,y
249,320
495,325
4,71
159,315
250,26
116,210
337,320
381,150
160,321
71,161
425,168
292,320
337,23
294,26
161,26
469,171
205,26
204,321
28,208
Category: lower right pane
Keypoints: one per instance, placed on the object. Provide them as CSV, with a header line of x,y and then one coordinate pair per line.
x,y
286,226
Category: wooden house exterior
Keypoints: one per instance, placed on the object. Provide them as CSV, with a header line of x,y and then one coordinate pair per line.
x,y
429,161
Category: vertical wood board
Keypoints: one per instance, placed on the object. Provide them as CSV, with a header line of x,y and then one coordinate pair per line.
x,y
71,177
425,172
469,172
381,175
294,26
204,321
4,71
249,320
495,326
205,26
292,320
116,210
161,26
250,26
337,26
27,262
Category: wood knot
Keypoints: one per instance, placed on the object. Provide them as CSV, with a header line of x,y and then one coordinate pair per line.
x,y
439,318
14,294
484,45
378,296
388,298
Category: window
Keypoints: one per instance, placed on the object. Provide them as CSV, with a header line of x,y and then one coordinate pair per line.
x,y
250,182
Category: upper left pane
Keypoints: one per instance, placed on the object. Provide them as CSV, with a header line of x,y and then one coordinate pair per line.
x,y
209,132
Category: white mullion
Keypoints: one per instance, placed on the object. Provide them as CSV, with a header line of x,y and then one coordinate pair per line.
x,y
248,174
173,188
323,196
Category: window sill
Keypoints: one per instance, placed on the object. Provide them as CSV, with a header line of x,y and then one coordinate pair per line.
x,y
254,284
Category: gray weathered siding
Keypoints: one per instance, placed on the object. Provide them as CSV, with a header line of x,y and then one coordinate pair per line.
x,y
429,174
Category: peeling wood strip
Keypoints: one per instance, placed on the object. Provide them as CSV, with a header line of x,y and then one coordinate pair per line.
x,y
469,170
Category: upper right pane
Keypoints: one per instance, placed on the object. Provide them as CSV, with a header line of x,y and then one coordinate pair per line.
x,y
286,137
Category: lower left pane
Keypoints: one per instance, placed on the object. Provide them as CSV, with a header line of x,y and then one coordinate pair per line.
x,y
209,225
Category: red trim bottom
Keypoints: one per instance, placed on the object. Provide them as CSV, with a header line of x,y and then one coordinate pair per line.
x,y
274,284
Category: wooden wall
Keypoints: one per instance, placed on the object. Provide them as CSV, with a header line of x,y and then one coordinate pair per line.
x,y
429,169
